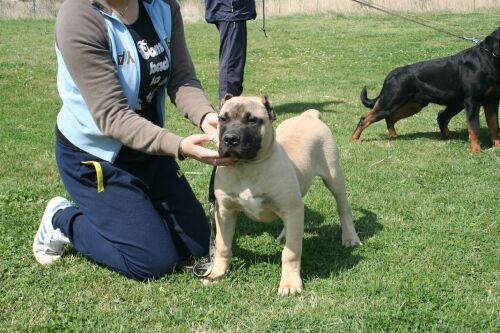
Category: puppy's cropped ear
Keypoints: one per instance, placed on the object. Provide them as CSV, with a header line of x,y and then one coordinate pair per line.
x,y
269,108
226,97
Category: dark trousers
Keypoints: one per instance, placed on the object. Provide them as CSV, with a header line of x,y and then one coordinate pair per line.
x,y
232,57
143,222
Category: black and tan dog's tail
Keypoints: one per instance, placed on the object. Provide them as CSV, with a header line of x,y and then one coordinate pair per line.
x,y
369,103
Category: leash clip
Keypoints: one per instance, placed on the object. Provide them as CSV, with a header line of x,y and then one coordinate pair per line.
x,y
475,40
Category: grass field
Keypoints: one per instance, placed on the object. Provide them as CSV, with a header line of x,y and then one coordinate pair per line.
x,y
426,210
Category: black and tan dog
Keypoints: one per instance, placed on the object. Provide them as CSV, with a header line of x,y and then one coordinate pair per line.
x,y
469,79
273,171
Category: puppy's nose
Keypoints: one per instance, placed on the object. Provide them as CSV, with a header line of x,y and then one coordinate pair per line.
x,y
231,139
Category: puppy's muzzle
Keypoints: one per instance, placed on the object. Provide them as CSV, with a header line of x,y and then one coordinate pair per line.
x,y
231,139
240,142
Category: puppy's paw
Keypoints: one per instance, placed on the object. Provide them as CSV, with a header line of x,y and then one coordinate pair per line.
x,y
214,274
290,287
350,240
208,281
211,279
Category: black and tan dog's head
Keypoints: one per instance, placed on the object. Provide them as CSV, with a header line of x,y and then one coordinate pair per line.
x,y
245,127
492,42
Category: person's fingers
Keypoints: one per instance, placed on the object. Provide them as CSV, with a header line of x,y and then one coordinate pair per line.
x,y
199,139
206,138
192,146
206,153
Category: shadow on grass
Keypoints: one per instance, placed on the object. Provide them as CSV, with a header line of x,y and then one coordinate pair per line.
x,y
323,254
302,106
461,135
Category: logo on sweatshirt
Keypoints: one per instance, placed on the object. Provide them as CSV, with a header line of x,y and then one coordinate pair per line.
x,y
125,58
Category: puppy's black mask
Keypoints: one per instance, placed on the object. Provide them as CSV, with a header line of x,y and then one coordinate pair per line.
x,y
240,135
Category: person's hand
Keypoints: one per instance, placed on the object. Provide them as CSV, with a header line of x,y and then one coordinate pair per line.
x,y
209,125
192,146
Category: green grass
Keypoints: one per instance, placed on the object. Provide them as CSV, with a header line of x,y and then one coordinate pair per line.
x,y
426,210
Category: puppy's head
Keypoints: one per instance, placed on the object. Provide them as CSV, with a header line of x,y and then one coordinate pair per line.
x,y
245,127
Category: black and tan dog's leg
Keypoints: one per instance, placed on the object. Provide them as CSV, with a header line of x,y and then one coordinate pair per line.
x,y
491,114
225,221
291,282
472,114
405,111
365,121
444,118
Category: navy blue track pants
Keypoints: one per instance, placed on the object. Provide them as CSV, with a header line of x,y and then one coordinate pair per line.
x,y
232,57
144,221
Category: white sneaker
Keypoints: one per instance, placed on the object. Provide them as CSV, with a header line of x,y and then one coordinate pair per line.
x,y
48,245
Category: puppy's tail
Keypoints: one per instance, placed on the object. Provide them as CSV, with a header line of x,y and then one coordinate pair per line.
x,y
312,113
369,103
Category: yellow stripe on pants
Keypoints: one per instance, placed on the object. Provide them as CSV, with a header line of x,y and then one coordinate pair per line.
x,y
98,171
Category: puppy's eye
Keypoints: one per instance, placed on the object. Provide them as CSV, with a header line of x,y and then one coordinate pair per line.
x,y
253,120
222,118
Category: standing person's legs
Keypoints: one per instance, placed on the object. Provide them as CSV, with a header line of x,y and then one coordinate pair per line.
x,y
119,227
232,57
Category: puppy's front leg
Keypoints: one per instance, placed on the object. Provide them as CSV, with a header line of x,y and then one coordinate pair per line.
x,y
225,221
291,282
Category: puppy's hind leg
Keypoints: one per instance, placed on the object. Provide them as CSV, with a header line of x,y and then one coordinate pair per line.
x,y
333,178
